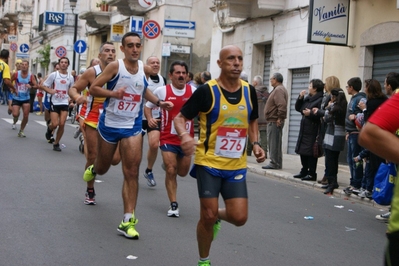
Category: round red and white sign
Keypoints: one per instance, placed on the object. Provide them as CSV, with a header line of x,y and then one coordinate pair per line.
x,y
13,46
151,29
60,51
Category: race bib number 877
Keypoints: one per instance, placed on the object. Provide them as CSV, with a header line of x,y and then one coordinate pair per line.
x,y
128,106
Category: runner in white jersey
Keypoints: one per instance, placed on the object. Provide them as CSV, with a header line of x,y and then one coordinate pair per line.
x,y
121,122
155,80
58,84
92,109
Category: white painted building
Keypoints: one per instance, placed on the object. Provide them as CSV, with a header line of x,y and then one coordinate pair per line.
x,y
191,45
273,37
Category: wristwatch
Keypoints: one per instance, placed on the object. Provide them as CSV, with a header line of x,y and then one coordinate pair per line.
x,y
256,143
159,102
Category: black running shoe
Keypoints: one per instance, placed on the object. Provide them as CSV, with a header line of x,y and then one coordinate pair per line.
x,y
56,147
48,134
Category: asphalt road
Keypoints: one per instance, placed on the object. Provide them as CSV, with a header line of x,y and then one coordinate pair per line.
x,y
43,219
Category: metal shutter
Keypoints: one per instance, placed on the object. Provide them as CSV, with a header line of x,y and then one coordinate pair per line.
x,y
386,59
266,70
300,81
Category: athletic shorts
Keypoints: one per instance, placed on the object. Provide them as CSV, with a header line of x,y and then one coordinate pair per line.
x,y
58,108
46,103
19,103
39,93
113,135
93,116
229,183
176,149
146,128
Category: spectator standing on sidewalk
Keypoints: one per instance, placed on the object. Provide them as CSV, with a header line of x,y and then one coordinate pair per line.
x,y
262,94
378,135
354,85
205,77
276,113
375,97
334,138
309,128
391,83
227,107
331,83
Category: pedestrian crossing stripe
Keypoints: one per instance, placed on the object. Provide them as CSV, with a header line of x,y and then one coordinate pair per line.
x,y
43,123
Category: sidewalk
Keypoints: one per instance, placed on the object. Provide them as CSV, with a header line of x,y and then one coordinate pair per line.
x,y
292,166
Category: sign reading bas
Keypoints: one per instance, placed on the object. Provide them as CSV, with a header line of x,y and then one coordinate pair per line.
x,y
328,22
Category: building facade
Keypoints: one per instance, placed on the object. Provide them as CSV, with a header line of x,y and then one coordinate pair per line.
x,y
191,45
273,37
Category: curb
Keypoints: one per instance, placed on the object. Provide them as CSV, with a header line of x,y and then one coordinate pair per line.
x,y
285,176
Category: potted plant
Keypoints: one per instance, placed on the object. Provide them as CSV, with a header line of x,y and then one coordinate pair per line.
x,y
103,5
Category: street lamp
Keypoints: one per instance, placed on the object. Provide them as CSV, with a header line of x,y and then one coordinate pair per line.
x,y
20,27
73,3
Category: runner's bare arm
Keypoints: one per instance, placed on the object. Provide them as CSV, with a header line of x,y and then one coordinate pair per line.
x,y
96,88
85,79
149,96
187,143
45,88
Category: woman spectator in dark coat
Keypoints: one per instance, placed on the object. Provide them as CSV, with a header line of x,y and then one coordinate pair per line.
x,y
375,97
334,139
330,83
309,128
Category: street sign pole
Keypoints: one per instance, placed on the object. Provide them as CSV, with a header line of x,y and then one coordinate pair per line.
x,y
74,41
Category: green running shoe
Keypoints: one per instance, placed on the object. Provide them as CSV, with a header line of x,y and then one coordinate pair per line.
x,y
88,174
21,134
216,228
204,263
128,230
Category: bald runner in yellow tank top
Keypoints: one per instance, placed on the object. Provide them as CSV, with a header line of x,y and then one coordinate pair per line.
x,y
225,139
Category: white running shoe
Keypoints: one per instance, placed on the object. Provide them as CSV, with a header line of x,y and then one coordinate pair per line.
x,y
173,210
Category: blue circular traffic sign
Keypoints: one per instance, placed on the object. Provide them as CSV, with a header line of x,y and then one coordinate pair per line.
x,y
60,51
80,46
24,48
151,29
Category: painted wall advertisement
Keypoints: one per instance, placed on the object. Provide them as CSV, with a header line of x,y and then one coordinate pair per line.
x,y
328,22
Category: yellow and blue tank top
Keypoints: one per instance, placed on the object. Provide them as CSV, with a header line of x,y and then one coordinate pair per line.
x,y
223,131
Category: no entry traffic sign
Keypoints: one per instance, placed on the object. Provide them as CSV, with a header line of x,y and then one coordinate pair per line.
x,y
151,29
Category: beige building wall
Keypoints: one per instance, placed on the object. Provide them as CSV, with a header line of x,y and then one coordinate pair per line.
x,y
372,22
186,10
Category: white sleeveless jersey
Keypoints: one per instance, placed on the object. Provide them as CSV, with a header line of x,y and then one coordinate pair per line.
x,y
61,83
152,86
122,113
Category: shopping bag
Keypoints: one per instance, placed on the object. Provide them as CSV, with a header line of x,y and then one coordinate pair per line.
x,y
384,183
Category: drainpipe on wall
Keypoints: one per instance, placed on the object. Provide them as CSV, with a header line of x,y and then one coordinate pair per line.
x,y
352,15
